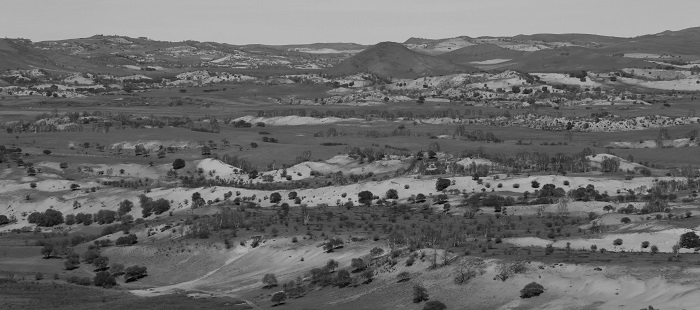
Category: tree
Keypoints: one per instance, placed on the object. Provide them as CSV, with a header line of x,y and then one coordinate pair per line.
x,y
343,278
126,240
403,276
358,264
101,262
279,297
376,251
617,242
47,250
206,150
610,164
332,265
275,197
365,197
269,280
434,305
4,220
419,293
125,207
134,273
392,194
74,187
689,240
90,255
625,220
72,261
178,164
442,184
104,279
47,152
368,274
531,290
116,269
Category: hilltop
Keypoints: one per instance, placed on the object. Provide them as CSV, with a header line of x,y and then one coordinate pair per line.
x,y
395,60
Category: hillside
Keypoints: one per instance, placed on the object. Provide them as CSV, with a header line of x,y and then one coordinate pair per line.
x,y
684,42
480,52
391,59
573,59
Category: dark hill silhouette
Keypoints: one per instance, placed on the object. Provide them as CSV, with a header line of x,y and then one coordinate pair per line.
x,y
391,59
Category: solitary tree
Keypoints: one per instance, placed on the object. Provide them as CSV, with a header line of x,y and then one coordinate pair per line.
x,y
279,297
365,197
419,293
689,240
178,164
269,280
332,265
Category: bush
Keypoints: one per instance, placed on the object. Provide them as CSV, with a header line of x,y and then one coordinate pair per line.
x,y
654,249
535,184
419,293
531,290
625,220
275,197
434,305
645,244
617,242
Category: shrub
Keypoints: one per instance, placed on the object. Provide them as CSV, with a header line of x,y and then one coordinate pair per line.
x,y
645,244
625,220
654,249
617,242
531,290
535,184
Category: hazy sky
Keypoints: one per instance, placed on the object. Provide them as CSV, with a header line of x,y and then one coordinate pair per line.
x,y
359,21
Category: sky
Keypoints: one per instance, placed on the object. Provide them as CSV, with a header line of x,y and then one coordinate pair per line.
x,y
278,22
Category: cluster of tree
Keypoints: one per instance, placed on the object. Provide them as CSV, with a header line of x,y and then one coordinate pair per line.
x,y
48,218
150,206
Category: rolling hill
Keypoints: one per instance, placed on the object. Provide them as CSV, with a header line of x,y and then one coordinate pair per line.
x,y
480,52
567,59
391,59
